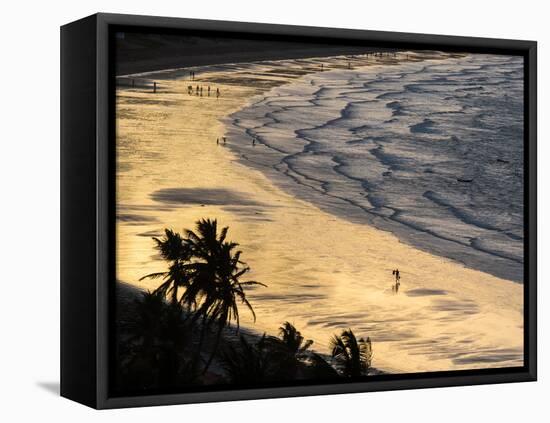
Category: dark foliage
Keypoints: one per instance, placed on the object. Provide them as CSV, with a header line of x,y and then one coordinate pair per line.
x,y
352,356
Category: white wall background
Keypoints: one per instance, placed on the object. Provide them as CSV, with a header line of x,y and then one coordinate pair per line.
x,y
29,178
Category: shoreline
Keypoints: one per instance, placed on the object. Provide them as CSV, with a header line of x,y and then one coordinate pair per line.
x,y
274,160
402,340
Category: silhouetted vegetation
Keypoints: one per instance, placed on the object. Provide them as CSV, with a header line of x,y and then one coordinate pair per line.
x,y
173,249
353,357
155,351
248,362
173,335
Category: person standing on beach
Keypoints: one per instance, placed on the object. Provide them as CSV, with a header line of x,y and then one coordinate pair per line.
x,y
224,140
217,141
253,142
209,91
217,92
395,288
397,276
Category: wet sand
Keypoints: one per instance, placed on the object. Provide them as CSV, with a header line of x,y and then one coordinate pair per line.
x,y
323,273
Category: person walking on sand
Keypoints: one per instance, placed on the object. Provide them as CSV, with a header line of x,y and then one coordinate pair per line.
x,y
201,90
395,288
397,275
253,142
224,140
217,141
209,91
217,92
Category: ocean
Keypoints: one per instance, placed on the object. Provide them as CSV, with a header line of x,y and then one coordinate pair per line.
x,y
429,150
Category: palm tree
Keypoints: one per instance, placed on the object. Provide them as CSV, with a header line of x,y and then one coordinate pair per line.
x,y
175,364
294,340
147,325
154,351
217,279
204,247
209,270
247,362
289,351
174,249
353,356
274,359
205,241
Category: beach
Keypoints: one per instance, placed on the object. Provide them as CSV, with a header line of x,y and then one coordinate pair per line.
x,y
323,272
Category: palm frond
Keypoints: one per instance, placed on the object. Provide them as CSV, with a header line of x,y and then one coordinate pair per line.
x,y
154,275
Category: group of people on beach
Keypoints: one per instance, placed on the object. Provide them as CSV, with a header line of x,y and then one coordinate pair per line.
x,y
198,90
224,139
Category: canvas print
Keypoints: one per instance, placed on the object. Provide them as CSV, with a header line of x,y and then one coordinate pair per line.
x,y
293,212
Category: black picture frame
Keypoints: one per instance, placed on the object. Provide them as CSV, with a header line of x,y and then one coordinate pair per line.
x,y
87,207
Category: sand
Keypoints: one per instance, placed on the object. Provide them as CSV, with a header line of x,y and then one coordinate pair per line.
x,y
324,273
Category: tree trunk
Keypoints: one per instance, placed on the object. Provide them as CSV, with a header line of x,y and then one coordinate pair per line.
x,y
197,357
215,349
175,295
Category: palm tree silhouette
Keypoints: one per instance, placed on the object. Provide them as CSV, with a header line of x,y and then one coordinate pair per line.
x,y
247,362
274,359
216,288
174,249
204,247
157,338
290,351
209,269
353,356
147,326
294,340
